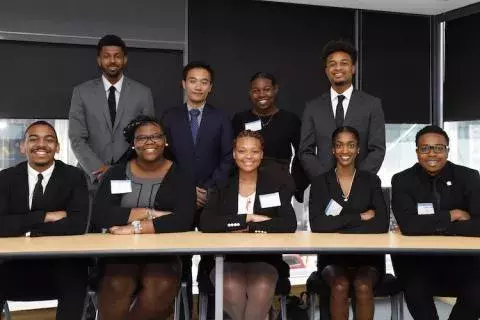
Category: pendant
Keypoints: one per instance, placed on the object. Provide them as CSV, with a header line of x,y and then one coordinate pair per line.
x,y
345,199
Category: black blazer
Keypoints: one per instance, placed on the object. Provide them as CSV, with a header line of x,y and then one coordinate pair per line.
x,y
209,161
175,194
366,194
220,212
220,215
458,187
66,190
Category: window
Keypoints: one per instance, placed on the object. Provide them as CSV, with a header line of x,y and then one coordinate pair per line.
x,y
11,135
464,142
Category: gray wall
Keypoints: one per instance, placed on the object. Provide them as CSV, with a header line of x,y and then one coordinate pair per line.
x,y
143,23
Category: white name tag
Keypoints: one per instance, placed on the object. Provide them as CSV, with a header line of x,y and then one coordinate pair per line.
x,y
425,209
333,208
254,125
120,186
270,200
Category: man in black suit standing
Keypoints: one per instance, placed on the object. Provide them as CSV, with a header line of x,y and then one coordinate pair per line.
x,y
341,106
44,197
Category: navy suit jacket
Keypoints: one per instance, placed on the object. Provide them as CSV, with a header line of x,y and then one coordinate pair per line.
x,y
209,161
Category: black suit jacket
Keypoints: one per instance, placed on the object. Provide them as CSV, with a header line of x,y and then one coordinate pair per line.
x,y
66,190
364,113
366,194
209,161
458,187
175,194
220,215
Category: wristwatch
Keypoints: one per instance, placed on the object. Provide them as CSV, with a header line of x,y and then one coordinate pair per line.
x,y
137,226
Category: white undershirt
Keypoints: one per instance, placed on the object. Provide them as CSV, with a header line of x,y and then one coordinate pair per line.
x,y
245,204
33,178
117,85
334,96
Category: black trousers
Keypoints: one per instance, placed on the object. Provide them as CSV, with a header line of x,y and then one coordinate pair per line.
x,y
62,279
424,277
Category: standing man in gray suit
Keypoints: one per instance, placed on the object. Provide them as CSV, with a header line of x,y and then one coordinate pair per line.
x,y
102,107
342,105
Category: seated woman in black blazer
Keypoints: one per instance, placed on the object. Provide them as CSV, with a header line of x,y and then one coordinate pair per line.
x,y
147,194
347,200
252,201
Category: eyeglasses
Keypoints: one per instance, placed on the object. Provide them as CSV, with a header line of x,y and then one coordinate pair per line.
x,y
437,148
154,138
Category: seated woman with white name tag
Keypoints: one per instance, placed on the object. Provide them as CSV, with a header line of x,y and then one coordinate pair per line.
x,y
347,200
252,201
148,194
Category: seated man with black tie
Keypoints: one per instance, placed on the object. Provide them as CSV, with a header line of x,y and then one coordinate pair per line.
x,y
437,197
44,197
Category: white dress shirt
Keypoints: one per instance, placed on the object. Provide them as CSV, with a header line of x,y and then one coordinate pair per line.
x,y
118,88
334,96
245,204
33,178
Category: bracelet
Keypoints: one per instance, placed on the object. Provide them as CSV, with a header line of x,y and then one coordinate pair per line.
x,y
150,214
137,227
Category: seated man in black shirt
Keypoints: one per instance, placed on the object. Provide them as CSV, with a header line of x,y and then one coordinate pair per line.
x,y
437,197
44,197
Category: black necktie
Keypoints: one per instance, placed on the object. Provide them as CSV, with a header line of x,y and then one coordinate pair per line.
x,y
112,105
37,194
339,115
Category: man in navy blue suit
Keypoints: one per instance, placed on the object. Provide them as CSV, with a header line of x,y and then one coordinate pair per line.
x,y
200,140
200,136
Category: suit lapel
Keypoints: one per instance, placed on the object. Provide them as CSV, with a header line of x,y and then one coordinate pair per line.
x,y
101,97
327,112
185,121
53,185
231,195
20,189
122,102
353,108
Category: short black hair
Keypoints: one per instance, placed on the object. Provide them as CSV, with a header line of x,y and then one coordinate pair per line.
x,y
111,40
40,123
349,129
339,46
141,120
198,65
431,129
264,75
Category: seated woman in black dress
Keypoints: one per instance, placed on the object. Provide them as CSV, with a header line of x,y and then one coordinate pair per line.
x,y
147,194
347,200
279,128
252,201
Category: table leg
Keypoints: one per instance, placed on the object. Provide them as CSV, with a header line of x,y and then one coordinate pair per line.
x,y
219,287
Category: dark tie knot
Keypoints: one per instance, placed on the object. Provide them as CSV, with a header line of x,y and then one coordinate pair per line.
x,y
112,90
340,98
194,113
40,178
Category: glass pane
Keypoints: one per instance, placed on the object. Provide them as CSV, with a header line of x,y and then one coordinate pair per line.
x,y
11,135
400,153
464,142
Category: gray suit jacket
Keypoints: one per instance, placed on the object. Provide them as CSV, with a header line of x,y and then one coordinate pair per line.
x,y
93,140
364,113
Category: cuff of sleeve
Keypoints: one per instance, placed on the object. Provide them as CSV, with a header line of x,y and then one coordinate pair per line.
x,y
237,223
258,227
443,221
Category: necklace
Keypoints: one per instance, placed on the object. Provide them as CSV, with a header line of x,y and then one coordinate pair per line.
x,y
265,124
346,196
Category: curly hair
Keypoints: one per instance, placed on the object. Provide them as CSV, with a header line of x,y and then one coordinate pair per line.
x,y
339,46
249,134
141,120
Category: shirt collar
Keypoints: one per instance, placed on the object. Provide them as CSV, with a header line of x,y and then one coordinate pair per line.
x,y
46,174
117,85
347,93
199,108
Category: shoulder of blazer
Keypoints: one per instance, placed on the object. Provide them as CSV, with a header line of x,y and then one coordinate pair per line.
x,y
324,98
19,169
89,84
67,169
363,96
135,84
